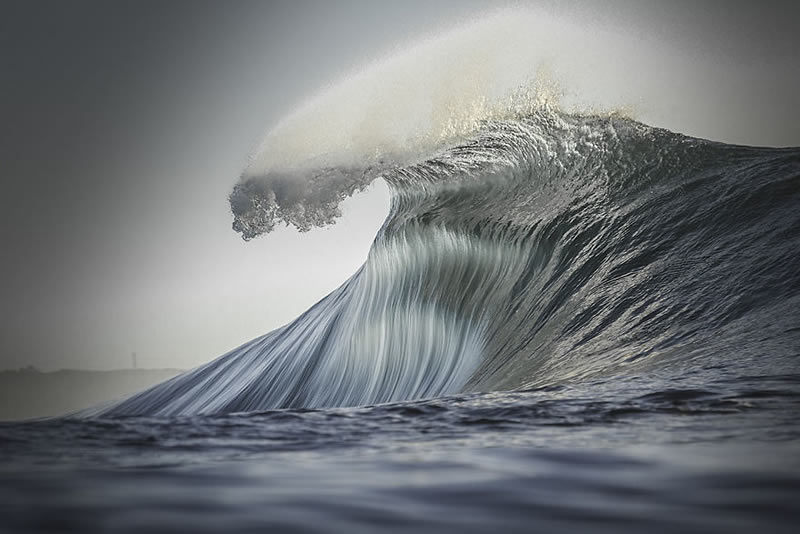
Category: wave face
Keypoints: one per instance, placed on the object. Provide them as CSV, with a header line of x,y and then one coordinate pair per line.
x,y
544,249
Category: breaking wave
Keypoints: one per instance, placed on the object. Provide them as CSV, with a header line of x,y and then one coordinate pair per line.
x,y
529,243
548,248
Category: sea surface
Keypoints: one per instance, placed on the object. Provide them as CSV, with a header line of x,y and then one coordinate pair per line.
x,y
699,451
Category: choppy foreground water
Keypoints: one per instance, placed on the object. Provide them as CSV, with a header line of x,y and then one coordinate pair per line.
x,y
655,454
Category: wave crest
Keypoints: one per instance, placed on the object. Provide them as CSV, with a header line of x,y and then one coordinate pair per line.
x,y
305,201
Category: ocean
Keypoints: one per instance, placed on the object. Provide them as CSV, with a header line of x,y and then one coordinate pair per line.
x,y
568,322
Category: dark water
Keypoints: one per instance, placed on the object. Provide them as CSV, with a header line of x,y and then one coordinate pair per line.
x,y
566,323
640,454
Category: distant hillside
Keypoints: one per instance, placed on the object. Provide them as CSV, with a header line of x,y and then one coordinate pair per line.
x,y
28,393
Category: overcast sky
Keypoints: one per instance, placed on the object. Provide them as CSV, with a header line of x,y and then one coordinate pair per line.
x,y
124,125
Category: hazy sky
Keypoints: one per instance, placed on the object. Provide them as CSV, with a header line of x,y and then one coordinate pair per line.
x,y
124,125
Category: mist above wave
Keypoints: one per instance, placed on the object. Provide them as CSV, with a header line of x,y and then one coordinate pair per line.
x,y
439,92
410,106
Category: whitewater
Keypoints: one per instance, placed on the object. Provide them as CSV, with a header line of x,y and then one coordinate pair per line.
x,y
570,318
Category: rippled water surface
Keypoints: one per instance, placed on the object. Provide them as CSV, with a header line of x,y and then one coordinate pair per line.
x,y
635,454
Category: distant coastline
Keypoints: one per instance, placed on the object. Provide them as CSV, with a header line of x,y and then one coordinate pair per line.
x,y
29,393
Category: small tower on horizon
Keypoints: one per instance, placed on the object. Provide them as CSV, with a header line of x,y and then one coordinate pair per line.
x,y
133,360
